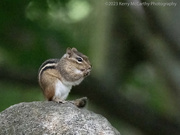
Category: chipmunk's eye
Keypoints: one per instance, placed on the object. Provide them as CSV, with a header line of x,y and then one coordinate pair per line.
x,y
79,59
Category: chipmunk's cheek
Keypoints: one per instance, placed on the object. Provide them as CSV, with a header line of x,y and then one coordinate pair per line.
x,y
77,71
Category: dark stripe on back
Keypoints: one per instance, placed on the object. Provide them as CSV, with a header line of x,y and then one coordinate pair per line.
x,y
49,61
48,67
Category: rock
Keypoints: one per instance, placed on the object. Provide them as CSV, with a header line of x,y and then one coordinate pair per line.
x,y
50,118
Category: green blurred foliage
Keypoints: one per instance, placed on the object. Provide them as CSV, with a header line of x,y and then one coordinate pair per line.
x,y
16,93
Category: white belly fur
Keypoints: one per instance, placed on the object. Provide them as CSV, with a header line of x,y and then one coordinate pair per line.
x,y
61,90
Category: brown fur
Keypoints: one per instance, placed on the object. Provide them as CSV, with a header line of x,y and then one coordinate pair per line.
x,y
47,83
67,69
67,65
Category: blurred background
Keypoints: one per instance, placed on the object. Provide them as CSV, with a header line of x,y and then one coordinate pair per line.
x,y
134,50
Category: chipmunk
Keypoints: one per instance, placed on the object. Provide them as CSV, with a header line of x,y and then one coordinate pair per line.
x,y
57,76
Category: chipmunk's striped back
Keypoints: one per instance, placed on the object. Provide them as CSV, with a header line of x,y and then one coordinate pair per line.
x,y
48,64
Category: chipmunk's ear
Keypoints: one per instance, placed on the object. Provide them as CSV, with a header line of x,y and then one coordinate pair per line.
x,y
74,49
69,52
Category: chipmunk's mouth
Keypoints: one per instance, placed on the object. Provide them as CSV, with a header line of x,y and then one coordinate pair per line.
x,y
87,72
